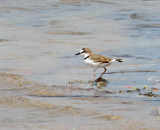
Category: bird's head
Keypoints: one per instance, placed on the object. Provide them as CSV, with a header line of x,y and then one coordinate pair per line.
x,y
84,51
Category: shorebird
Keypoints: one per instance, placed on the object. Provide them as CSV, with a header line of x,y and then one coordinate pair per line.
x,y
96,61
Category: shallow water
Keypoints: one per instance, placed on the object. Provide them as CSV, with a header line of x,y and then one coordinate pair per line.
x,y
42,38
39,41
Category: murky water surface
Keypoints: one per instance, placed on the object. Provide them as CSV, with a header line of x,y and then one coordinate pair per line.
x,y
39,40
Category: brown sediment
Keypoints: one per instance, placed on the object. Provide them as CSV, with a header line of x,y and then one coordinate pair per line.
x,y
75,81
49,53
68,33
43,92
105,91
122,109
84,89
129,102
86,1
149,25
15,79
111,117
100,83
71,1
16,8
101,2
67,110
3,40
95,100
134,71
18,101
18,83
72,111
75,88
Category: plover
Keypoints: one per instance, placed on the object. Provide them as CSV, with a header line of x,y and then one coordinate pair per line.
x,y
96,61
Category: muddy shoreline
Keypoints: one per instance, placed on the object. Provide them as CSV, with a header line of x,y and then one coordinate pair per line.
x,y
63,107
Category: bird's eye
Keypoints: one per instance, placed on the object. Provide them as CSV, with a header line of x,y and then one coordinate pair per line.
x,y
82,51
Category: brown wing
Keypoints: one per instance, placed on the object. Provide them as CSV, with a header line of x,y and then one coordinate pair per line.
x,y
99,58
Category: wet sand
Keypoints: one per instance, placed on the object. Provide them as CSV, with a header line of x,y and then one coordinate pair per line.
x,y
28,105
43,85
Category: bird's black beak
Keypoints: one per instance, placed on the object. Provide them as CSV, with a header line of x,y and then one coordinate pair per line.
x,y
78,53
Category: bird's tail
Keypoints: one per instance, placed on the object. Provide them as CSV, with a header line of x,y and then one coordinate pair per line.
x,y
119,60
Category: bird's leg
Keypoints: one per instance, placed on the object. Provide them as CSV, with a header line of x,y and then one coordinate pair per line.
x,y
102,74
94,75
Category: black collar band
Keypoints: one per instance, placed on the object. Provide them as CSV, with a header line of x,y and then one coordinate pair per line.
x,y
86,57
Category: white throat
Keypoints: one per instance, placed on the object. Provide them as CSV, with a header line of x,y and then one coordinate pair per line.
x,y
86,55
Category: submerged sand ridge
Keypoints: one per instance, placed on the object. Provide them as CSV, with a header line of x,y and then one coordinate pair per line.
x,y
60,107
17,101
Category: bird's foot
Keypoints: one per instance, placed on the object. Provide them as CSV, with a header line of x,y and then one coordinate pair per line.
x,y
101,79
98,79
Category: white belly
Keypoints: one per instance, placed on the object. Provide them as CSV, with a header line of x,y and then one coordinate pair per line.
x,y
95,64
